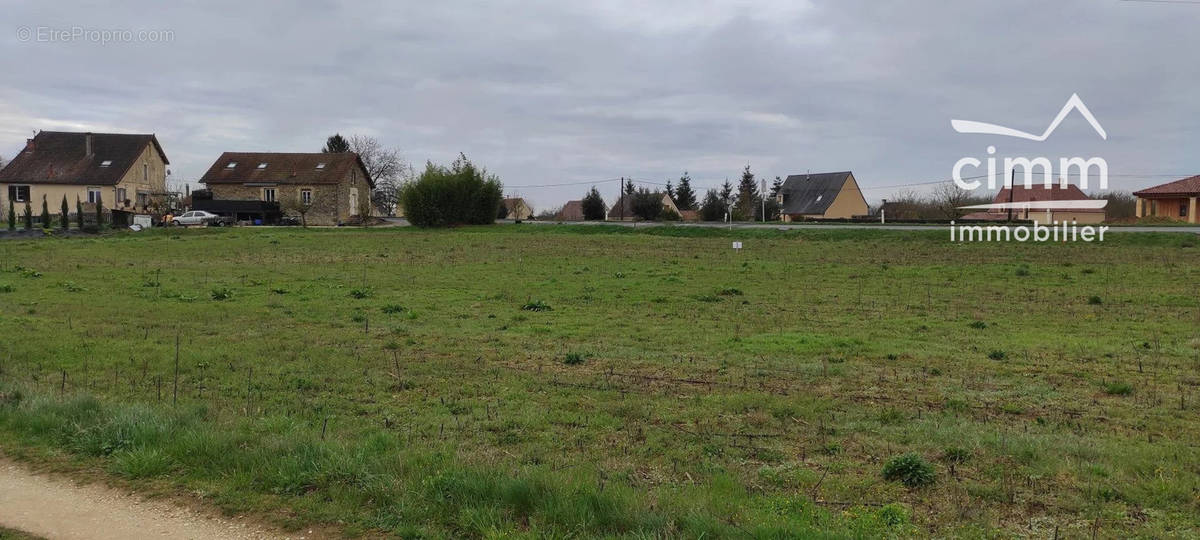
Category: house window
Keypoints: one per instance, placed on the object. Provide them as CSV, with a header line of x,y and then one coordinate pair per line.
x,y
306,196
262,165
269,194
320,165
354,201
1183,209
94,195
18,193
145,174
121,195
106,163
231,165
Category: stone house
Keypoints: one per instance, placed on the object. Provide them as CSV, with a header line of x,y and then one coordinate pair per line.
x,y
335,188
517,208
126,172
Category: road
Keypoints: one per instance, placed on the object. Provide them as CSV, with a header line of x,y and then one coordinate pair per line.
x,y
54,507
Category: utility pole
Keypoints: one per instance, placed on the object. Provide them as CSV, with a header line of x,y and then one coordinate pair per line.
x,y
1012,188
762,195
621,198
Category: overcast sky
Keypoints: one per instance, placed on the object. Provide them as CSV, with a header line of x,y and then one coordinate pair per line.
x,y
563,92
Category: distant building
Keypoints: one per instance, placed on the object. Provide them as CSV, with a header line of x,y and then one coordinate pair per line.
x,y
572,211
335,187
1020,194
124,172
821,196
622,210
518,208
1175,200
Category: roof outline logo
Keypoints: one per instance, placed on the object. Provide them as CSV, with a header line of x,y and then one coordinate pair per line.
x,y
1073,104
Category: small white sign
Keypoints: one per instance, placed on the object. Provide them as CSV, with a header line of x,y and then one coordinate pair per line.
x,y
737,245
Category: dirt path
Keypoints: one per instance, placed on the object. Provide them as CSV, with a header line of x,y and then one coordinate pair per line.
x,y
55,507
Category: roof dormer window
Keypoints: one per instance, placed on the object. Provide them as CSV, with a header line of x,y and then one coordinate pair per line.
x,y
320,165
106,163
262,165
231,165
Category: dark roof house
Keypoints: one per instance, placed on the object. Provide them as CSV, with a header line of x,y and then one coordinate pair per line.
x,y
324,188
821,196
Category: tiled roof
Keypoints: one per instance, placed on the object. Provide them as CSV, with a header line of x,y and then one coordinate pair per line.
x,y
1187,186
283,168
1039,192
60,157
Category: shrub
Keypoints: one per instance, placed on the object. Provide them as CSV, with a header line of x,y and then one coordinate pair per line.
x,y
221,294
573,359
894,514
1023,271
537,305
669,214
955,454
64,217
7,288
1095,300
461,194
45,213
646,204
979,325
360,293
730,292
1118,388
909,469
997,355
27,217
12,216
392,309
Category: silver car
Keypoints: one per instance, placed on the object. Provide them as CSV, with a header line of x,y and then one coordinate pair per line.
x,y
197,217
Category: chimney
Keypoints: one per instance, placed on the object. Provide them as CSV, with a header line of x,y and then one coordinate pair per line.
x,y
29,145
87,144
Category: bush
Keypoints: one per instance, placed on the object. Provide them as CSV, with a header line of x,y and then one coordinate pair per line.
x,y
647,205
573,359
978,325
461,194
593,206
392,309
1095,300
909,469
1118,388
669,214
361,292
997,355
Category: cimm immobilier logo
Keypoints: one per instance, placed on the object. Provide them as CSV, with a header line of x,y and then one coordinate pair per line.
x,y
1030,167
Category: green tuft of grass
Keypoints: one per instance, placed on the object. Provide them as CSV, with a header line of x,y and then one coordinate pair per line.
x,y
221,294
1118,388
537,305
909,469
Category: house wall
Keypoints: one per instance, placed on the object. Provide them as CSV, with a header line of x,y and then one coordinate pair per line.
x,y
155,184
1169,208
849,202
1082,218
325,199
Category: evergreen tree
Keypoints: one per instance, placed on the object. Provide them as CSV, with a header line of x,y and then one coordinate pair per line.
x,y
629,189
726,195
65,217
776,187
99,211
12,216
78,213
685,197
647,204
670,190
593,205
28,217
45,213
713,208
748,202
336,143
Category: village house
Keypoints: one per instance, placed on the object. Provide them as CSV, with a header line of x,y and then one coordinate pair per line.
x,y
821,196
572,211
125,172
333,188
622,210
1174,200
1020,194
516,208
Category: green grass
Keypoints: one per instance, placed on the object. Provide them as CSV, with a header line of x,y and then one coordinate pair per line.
x,y
604,381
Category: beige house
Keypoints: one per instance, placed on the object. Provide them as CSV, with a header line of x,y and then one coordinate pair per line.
x,y
330,188
1176,200
821,196
125,172
517,208
1039,193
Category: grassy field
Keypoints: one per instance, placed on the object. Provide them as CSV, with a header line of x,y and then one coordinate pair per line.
x,y
595,381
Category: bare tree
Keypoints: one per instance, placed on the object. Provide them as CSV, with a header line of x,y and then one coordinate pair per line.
x,y
2,162
296,204
948,197
387,168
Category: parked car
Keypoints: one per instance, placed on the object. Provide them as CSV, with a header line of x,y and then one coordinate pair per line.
x,y
200,217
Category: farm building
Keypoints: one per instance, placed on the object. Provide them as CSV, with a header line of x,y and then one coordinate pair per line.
x,y
1175,200
334,188
124,172
622,210
821,196
1020,194
517,208
572,211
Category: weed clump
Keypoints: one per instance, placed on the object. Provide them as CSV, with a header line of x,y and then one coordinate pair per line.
x,y
730,292
537,305
361,293
978,325
392,309
1095,300
909,469
573,359
221,294
997,355
1118,388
